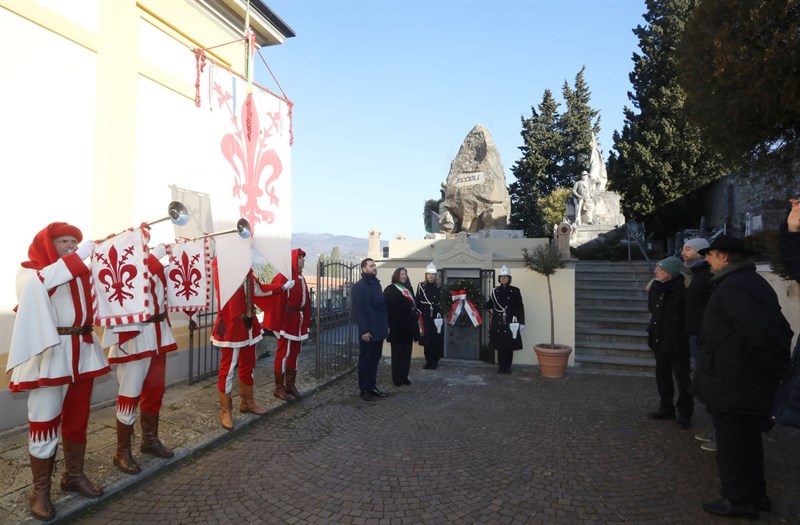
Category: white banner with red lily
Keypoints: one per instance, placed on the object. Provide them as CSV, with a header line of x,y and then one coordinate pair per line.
x,y
120,279
188,275
461,303
249,168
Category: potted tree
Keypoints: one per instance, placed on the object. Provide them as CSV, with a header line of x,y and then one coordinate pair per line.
x,y
553,358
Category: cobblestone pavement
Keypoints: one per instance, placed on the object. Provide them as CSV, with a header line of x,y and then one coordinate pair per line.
x,y
462,444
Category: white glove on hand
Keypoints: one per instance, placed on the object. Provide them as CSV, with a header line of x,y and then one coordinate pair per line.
x,y
85,249
159,251
288,285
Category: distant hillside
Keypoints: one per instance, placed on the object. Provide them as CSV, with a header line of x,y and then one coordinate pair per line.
x,y
353,249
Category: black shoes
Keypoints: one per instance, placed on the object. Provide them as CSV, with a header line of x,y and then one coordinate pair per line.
x,y
504,371
662,413
367,396
427,366
684,421
764,504
377,392
406,382
725,508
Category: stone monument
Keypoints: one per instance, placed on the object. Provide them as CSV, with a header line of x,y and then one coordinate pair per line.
x,y
475,193
592,210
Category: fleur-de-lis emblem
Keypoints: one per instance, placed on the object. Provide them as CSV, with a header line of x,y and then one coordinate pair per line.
x,y
117,274
248,153
185,276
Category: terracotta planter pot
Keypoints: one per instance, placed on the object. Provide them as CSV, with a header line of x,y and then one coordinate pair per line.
x,y
552,361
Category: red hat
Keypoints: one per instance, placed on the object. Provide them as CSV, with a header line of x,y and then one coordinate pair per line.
x,y
42,251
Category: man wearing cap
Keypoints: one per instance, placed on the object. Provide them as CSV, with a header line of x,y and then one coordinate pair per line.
x,y
428,295
667,338
55,357
139,352
744,352
506,305
290,320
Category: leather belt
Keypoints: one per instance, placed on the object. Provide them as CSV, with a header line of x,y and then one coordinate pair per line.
x,y
75,330
157,318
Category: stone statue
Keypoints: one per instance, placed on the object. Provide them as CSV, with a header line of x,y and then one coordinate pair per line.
x,y
583,193
476,197
597,168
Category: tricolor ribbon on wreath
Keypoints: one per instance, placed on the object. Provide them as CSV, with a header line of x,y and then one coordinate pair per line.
x,y
460,302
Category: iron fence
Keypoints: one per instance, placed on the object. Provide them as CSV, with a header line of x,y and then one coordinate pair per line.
x,y
335,333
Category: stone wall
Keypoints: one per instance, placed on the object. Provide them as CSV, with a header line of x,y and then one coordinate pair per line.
x,y
763,196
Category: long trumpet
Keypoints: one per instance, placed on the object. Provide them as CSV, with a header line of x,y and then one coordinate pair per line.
x,y
176,212
242,228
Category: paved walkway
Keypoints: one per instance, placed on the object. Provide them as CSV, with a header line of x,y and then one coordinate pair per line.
x,y
461,445
189,422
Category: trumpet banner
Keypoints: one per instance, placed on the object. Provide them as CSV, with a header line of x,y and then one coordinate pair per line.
x,y
248,136
120,280
188,276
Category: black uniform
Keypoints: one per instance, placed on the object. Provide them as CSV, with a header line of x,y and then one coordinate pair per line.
x,y
505,304
428,296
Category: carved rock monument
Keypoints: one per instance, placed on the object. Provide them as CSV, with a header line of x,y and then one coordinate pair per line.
x,y
475,193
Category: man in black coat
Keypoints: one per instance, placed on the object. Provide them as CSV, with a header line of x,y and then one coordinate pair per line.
x,y
369,311
742,356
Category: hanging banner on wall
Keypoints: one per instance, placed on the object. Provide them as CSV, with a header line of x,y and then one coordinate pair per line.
x,y
248,171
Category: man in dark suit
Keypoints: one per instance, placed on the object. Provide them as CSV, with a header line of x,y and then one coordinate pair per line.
x,y
369,311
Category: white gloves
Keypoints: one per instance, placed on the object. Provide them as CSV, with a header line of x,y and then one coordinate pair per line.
x,y
159,251
85,249
288,285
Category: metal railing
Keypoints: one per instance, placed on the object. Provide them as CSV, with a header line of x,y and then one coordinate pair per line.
x,y
335,333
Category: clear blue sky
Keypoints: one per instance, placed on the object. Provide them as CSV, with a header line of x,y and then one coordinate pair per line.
x,y
386,91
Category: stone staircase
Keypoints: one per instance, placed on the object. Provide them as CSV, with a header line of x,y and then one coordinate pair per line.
x,y
611,317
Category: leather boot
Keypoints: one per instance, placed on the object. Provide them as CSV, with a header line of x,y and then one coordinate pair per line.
x,y
39,496
225,409
291,388
247,403
122,457
280,391
150,442
73,479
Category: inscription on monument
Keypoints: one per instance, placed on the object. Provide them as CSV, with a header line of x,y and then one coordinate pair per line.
x,y
469,179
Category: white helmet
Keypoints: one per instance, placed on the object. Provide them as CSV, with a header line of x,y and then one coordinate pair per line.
x,y
431,268
504,271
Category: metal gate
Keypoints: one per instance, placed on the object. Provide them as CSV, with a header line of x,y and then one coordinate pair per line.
x,y
465,342
203,356
335,332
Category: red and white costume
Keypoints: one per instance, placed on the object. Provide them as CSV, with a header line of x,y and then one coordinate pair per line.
x,y
291,319
231,333
140,350
54,353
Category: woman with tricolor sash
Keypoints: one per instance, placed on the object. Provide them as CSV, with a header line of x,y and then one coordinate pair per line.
x,y
404,324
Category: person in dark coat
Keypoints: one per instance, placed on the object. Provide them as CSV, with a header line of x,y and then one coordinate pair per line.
x,y
743,354
401,308
369,312
696,276
429,293
787,407
667,338
507,308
